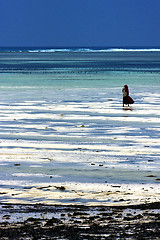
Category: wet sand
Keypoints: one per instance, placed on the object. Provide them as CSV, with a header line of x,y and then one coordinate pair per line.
x,y
81,139
79,222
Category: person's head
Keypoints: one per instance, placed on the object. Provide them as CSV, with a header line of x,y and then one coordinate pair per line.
x,y
126,87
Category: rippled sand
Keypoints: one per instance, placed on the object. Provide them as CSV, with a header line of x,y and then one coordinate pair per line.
x,y
79,146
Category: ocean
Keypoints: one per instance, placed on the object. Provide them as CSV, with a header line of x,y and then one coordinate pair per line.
x,y
64,134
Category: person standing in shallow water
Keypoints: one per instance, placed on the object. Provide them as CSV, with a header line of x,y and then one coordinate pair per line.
x,y
126,98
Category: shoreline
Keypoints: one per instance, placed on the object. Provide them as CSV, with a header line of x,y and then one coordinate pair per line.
x,y
40,221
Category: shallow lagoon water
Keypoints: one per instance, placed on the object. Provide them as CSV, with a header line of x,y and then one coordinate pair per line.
x,y
63,124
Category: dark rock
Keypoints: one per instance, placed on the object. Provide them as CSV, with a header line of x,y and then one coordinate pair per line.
x,y
61,188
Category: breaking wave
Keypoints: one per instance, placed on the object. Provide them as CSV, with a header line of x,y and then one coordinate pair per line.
x,y
83,50
96,50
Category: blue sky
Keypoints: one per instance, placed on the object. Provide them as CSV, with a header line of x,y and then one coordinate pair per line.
x,y
62,23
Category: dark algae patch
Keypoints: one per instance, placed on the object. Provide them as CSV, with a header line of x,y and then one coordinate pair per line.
x,y
80,222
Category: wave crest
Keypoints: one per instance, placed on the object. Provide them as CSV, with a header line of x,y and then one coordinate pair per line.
x,y
96,50
82,50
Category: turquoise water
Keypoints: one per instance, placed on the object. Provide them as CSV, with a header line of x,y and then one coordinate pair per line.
x,y
79,69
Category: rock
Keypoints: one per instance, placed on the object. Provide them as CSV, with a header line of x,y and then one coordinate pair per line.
x,y
151,175
61,188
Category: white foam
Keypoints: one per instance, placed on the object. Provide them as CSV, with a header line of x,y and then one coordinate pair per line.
x,y
94,50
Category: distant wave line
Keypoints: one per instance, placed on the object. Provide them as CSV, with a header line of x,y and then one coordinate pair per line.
x,y
82,50
96,50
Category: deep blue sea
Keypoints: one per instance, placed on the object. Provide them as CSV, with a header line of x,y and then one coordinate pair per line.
x,y
62,121
79,67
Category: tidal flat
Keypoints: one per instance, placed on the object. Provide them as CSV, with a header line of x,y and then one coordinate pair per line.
x,y
75,164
